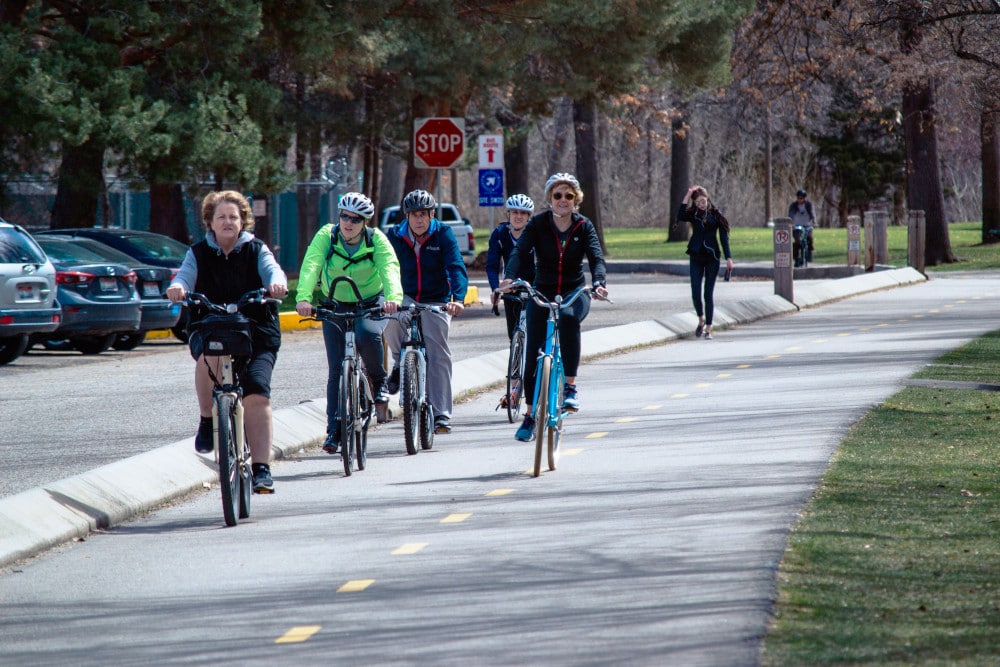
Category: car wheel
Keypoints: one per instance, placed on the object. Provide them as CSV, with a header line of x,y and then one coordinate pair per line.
x,y
129,341
93,344
180,332
12,347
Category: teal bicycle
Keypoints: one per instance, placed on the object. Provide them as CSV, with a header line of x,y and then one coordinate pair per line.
x,y
550,375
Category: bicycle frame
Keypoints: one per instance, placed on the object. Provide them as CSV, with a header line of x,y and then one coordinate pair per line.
x,y
414,344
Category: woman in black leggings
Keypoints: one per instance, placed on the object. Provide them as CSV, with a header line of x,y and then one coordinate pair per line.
x,y
708,228
560,239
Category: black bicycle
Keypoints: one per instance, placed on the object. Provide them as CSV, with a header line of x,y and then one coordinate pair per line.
x,y
514,397
418,414
225,334
356,401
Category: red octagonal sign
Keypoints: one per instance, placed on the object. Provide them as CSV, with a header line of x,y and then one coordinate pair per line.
x,y
438,143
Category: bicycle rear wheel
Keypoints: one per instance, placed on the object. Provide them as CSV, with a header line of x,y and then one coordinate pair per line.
x,y
426,426
365,418
411,403
542,410
229,464
348,415
246,479
515,369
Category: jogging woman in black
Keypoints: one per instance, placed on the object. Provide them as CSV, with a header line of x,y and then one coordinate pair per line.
x,y
708,228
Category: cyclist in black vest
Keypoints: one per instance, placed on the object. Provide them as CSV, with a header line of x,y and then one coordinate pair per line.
x,y
228,263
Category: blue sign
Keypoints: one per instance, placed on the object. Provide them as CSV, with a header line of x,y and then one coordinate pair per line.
x,y
491,187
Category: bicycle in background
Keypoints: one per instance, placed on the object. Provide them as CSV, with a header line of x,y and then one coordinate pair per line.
x,y
356,401
550,376
226,336
514,397
418,414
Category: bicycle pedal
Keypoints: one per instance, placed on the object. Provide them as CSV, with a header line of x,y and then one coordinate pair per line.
x,y
264,492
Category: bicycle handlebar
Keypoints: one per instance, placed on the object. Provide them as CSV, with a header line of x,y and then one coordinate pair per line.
x,y
255,296
322,313
523,287
414,307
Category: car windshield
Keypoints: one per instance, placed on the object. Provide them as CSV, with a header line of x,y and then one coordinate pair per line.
x,y
105,251
160,247
16,247
67,251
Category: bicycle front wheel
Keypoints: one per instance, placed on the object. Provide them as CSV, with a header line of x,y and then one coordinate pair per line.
x,y
542,410
229,463
411,403
348,415
515,369
246,479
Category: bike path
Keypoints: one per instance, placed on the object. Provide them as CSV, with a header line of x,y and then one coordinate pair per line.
x,y
41,518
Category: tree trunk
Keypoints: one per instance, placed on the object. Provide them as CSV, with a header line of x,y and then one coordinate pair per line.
x,y
166,211
680,173
923,183
420,107
81,182
587,172
562,128
990,141
390,191
515,160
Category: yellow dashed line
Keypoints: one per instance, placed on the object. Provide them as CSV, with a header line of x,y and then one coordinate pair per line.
x,y
500,492
902,321
843,335
355,585
949,305
653,407
598,434
883,324
744,366
960,301
679,395
934,310
298,634
792,348
703,385
724,375
820,340
624,420
773,356
865,329
456,518
917,316
408,548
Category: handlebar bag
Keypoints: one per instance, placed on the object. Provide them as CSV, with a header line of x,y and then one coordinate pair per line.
x,y
225,335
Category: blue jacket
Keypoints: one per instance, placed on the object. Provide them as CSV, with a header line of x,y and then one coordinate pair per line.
x,y
440,275
500,247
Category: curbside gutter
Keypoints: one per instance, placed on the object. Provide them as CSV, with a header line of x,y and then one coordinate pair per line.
x,y
39,519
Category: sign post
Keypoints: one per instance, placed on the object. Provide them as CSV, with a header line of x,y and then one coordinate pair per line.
x,y
491,172
783,258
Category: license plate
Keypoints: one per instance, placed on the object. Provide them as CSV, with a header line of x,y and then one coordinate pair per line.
x,y
151,289
109,285
25,291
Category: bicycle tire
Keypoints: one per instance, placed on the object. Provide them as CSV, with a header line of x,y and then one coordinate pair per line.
x,y
515,369
365,415
347,417
411,404
555,435
229,471
426,426
542,411
246,479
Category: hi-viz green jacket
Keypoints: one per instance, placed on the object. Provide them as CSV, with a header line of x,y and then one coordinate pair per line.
x,y
373,267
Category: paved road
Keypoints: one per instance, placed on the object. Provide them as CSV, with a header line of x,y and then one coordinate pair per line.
x,y
66,413
656,541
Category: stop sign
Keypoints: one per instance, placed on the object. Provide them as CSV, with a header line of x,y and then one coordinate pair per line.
x,y
438,143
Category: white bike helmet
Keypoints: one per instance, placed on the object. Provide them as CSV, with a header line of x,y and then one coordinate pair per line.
x,y
355,202
562,177
520,203
418,200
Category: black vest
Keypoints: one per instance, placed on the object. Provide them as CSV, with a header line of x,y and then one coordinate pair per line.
x,y
225,279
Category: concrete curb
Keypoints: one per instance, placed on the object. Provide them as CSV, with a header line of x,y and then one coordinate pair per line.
x,y
39,519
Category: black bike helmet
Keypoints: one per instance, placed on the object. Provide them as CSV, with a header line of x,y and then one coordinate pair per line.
x,y
418,200
800,193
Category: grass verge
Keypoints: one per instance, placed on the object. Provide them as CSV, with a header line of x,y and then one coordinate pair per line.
x,y
895,561
756,244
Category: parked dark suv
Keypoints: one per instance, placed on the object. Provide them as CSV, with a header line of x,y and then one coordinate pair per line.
x,y
27,292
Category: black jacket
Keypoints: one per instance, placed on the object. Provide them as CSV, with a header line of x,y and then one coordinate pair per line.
x,y
705,228
558,262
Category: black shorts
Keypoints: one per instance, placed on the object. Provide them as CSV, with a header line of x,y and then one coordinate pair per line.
x,y
254,373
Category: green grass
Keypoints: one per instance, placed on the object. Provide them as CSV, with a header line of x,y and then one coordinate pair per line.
x,y
896,559
756,244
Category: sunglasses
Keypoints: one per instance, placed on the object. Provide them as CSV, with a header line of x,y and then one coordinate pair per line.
x,y
570,196
347,217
